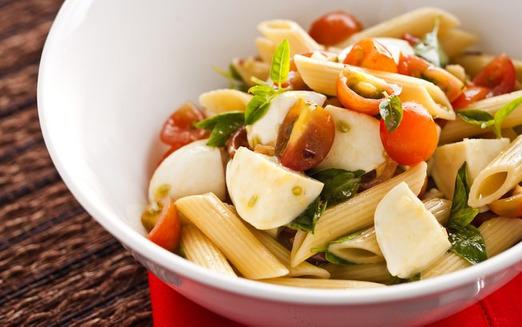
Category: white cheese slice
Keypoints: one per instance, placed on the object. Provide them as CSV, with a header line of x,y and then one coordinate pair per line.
x,y
265,130
408,234
193,169
357,143
266,194
477,153
394,45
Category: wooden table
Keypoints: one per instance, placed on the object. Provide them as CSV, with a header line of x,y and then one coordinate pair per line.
x,y
57,265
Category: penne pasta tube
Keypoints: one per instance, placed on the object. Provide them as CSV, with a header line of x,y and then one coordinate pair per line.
x,y
321,76
458,129
474,63
299,237
362,248
354,214
200,250
455,41
499,234
223,100
373,272
417,22
278,30
265,48
226,230
498,177
251,67
283,255
321,283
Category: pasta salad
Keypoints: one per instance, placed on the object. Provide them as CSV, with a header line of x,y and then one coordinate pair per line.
x,y
346,157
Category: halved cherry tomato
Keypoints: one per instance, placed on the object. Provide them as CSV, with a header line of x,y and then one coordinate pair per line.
x,y
508,207
167,230
420,68
415,139
237,140
371,54
305,136
472,93
334,27
179,129
499,75
362,92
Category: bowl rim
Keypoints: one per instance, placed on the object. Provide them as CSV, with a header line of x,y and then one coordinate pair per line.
x,y
249,288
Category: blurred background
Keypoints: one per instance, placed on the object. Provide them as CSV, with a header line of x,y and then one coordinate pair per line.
x,y
57,265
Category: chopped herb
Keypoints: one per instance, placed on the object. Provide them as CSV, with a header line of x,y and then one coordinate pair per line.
x,y
253,200
343,126
504,112
235,81
297,190
465,239
430,48
391,112
222,126
339,186
332,258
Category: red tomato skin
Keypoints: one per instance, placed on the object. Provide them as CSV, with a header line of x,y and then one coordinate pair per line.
x,y
371,54
334,27
470,95
499,75
166,232
411,39
179,128
414,140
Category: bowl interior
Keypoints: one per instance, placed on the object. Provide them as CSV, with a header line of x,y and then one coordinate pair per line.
x,y
113,70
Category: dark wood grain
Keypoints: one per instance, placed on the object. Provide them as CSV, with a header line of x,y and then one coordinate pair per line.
x,y
57,265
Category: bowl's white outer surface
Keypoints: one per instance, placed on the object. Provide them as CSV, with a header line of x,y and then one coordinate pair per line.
x,y
111,72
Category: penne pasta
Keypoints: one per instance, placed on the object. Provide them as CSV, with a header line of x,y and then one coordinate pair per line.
x,y
283,255
474,63
416,22
265,48
374,272
354,214
498,177
279,30
458,129
223,100
226,230
321,283
455,41
200,250
321,76
499,234
249,68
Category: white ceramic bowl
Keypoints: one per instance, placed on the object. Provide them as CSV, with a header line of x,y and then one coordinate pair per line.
x,y
111,72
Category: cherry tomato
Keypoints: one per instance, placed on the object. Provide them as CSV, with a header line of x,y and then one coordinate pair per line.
x,y
167,230
420,68
179,129
508,207
415,139
237,140
305,136
334,28
371,54
411,39
471,94
499,75
362,92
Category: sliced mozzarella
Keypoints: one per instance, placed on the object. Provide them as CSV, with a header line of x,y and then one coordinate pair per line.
x,y
265,130
394,45
357,143
408,234
193,169
477,153
266,194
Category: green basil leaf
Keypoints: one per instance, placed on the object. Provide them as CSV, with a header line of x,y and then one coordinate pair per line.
x,y
476,117
235,81
262,90
504,112
461,213
307,219
391,112
339,184
257,107
222,126
332,258
280,63
430,48
468,243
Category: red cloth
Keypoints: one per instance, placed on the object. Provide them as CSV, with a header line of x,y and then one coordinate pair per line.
x,y
501,309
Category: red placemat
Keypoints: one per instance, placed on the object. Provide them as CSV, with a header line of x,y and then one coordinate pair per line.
x,y
501,309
